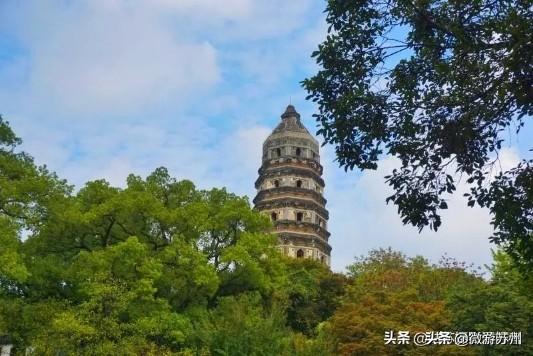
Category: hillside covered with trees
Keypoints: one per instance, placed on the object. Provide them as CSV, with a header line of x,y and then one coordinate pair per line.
x,y
159,267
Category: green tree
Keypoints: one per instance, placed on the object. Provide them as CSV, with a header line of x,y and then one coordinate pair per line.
x,y
110,270
125,270
242,325
504,304
132,263
26,190
25,194
314,293
12,268
434,84
115,308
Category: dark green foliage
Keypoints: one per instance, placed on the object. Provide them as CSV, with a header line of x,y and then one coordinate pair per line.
x,y
510,199
504,304
242,326
313,292
436,84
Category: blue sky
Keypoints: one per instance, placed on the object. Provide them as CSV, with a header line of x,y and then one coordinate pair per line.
x,y
104,88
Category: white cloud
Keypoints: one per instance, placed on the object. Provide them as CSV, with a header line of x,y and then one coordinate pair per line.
x,y
239,158
249,20
95,57
207,9
119,57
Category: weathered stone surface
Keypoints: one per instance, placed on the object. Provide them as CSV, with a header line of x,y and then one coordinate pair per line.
x,y
290,189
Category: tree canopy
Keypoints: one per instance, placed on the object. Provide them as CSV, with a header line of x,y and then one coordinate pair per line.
x,y
389,291
159,267
438,85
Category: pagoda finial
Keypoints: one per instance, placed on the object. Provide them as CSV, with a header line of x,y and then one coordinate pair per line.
x,y
290,111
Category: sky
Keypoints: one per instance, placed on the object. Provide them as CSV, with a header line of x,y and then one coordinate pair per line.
x,y
105,88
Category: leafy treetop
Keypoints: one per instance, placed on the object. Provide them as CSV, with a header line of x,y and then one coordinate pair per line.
x,y
436,84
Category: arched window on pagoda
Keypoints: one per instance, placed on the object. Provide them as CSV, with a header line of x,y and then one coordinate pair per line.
x,y
299,183
274,216
299,216
300,253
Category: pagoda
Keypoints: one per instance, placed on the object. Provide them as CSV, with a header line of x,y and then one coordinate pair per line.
x,y
290,189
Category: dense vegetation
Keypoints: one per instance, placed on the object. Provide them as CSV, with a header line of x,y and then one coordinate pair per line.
x,y
160,267
439,85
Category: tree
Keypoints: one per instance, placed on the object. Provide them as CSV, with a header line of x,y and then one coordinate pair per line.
x,y
131,264
12,267
26,189
127,270
504,304
26,192
392,292
435,84
241,325
314,293
115,307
